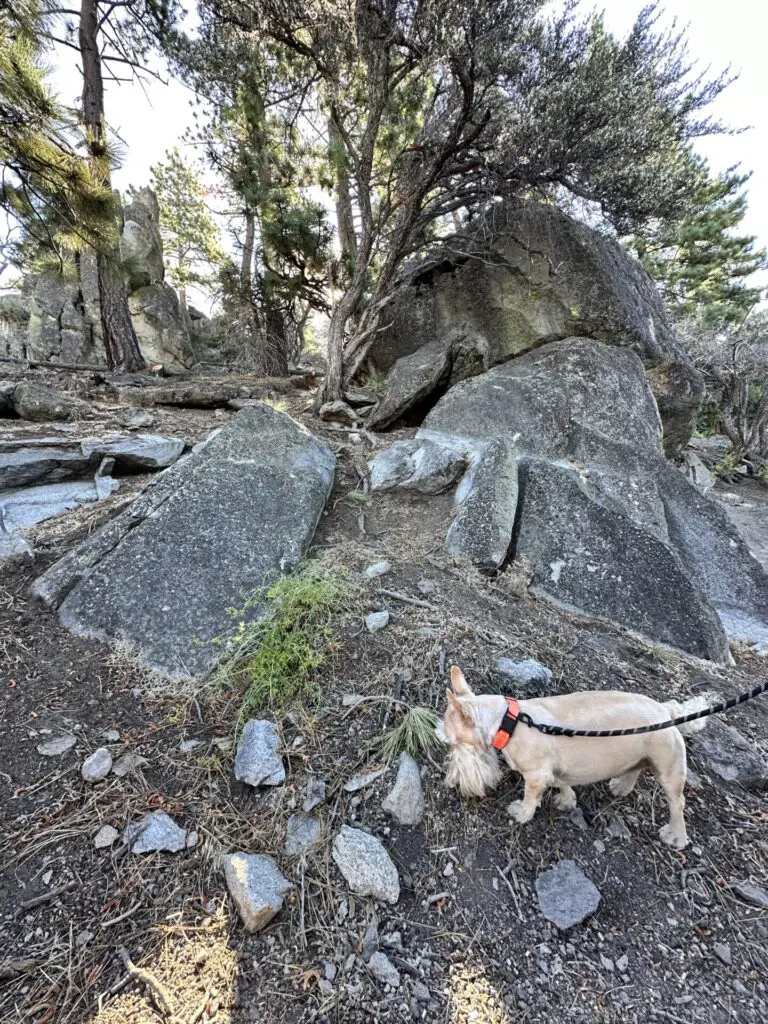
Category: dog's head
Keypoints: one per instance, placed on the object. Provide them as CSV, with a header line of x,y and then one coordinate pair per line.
x,y
473,766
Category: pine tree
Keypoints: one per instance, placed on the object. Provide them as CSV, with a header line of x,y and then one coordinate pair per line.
x,y
190,235
701,261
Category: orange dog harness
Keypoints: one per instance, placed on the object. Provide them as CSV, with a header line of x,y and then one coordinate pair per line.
x,y
508,723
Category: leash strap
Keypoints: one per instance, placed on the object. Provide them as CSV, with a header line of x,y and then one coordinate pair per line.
x,y
508,723
559,730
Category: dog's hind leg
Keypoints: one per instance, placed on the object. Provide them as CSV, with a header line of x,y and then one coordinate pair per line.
x,y
623,785
670,768
535,787
565,799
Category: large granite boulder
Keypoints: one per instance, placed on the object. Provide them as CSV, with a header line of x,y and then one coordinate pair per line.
x,y
160,327
57,328
206,533
608,526
140,243
528,275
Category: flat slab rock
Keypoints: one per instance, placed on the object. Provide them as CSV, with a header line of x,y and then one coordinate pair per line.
x,y
162,575
405,801
302,834
23,507
257,888
366,865
257,761
730,755
566,896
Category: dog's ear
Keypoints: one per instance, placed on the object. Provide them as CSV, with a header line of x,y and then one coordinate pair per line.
x,y
459,684
460,707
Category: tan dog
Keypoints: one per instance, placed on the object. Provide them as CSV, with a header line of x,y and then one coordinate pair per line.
x,y
472,721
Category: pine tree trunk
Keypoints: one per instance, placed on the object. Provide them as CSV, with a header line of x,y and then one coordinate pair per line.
x,y
120,341
246,265
344,215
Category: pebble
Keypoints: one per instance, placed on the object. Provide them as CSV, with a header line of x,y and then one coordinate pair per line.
x,y
376,621
82,937
617,828
383,970
752,894
370,941
186,746
723,953
405,801
158,832
97,766
623,963
420,992
302,833
111,735
427,587
326,988
257,761
576,817
128,763
256,886
60,745
314,794
566,896
366,865
330,971
361,780
599,846
105,837
377,569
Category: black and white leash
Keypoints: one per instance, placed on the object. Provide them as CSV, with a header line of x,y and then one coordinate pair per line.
x,y
559,730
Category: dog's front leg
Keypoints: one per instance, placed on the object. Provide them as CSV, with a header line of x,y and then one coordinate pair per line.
x,y
535,787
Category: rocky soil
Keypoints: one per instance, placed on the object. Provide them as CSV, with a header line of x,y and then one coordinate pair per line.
x,y
94,929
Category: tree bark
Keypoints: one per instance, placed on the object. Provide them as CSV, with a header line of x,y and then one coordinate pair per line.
x,y
246,264
344,216
120,341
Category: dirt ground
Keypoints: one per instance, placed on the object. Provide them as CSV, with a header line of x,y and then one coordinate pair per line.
x,y
671,940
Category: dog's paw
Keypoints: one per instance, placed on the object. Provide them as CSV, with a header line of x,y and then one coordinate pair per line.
x,y
620,786
520,812
674,838
565,801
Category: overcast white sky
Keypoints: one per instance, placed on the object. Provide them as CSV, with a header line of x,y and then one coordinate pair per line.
x,y
719,33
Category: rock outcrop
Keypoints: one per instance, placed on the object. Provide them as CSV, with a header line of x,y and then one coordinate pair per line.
x,y
214,527
605,524
58,319
526,276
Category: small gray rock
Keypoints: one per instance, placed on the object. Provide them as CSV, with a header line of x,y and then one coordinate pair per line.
x,y
158,832
376,621
723,953
362,780
383,970
105,837
111,736
97,766
529,674
337,412
256,886
57,746
136,418
14,550
730,755
257,761
427,587
377,569
617,828
420,992
326,988
314,794
37,403
566,896
329,970
302,833
366,865
128,763
752,894
370,942
187,746
405,801
577,818
623,963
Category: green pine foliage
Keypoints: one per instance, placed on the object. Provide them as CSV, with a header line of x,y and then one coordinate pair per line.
x,y
704,264
191,241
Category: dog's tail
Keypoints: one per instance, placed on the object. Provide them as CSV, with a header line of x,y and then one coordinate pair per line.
x,y
679,709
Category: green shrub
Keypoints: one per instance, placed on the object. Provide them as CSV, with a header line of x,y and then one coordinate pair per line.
x,y
415,734
726,467
273,661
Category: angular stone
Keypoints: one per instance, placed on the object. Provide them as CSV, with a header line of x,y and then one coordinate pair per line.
x,y
752,893
314,794
424,465
138,453
376,621
160,327
362,780
141,244
383,970
337,412
481,531
105,837
256,886
56,747
128,763
566,896
366,865
14,550
730,755
405,801
158,832
138,418
377,569
529,676
588,557
164,573
40,404
695,472
428,588
97,766
302,833
29,505
257,761
411,379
